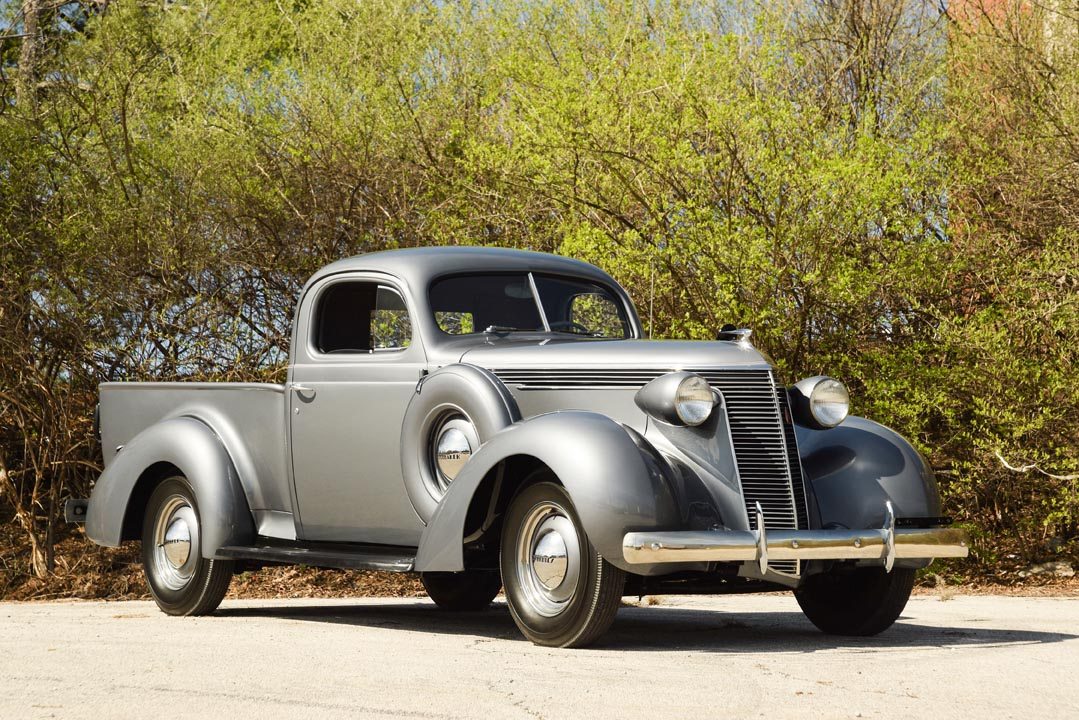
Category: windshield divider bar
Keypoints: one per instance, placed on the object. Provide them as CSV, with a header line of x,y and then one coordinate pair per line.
x,y
539,303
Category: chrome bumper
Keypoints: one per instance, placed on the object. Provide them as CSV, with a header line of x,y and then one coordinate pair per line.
x,y
886,544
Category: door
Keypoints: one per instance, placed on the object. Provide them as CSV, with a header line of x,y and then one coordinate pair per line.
x,y
355,369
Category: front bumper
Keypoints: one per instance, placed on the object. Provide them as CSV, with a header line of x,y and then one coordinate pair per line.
x,y
885,544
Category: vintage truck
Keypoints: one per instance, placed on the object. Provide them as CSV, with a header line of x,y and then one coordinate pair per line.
x,y
492,418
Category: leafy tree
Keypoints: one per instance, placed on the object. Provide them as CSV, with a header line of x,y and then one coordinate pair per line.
x,y
882,192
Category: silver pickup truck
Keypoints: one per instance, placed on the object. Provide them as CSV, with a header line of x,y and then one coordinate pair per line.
x,y
495,419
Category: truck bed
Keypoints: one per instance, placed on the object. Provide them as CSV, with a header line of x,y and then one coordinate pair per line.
x,y
248,417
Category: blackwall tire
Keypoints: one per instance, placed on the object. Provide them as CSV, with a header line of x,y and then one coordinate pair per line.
x,y
858,602
466,591
181,581
555,604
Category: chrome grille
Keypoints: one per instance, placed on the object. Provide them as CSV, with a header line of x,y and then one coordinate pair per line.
x,y
762,450
763,438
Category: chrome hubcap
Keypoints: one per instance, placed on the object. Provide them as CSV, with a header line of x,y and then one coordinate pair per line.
x,y
548,558
453,442
176,540
452,452
177,543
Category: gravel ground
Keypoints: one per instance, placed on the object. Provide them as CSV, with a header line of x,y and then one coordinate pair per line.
x,y
737,656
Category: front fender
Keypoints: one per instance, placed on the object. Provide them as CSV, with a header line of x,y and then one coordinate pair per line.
x,y
193,448
853,469
613,488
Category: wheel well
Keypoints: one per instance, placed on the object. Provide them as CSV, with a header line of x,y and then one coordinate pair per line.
x,y
516,472
140,495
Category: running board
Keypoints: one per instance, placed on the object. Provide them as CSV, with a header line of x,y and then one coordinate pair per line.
x,y
343,556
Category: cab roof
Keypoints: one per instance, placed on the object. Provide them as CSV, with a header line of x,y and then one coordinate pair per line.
x,y
418,266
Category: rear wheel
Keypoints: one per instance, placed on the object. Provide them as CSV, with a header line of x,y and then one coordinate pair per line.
x,y
464,591
560,591
181,581
862,601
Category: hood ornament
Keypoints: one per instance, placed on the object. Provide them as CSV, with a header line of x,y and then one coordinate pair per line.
x,y
733,334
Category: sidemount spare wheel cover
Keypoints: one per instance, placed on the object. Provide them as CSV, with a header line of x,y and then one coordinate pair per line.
x,y
458,407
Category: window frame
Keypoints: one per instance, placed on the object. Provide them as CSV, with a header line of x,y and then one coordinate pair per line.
x,y
314,318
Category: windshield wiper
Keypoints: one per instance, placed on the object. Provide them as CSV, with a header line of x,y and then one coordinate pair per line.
x,y
501,329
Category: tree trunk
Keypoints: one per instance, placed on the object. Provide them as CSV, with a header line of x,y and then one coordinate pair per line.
x,y
27,78
41,556
38,559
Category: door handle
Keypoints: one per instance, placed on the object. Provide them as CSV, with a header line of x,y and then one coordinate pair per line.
x,y
301,388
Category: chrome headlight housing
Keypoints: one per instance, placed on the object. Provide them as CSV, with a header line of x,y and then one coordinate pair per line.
x,y
820,402
678,398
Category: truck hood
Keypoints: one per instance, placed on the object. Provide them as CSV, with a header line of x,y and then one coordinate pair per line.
x,y
638,354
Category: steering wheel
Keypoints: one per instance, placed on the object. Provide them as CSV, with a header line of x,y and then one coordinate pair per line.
x,y
571,326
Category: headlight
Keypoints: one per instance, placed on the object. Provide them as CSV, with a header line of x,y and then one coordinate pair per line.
x,y
678,398
829,402
693,401
820,402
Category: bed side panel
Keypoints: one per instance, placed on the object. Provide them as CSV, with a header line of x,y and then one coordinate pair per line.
x,y
248,418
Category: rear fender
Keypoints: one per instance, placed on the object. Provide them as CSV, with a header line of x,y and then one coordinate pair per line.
x,y
194,449
613,488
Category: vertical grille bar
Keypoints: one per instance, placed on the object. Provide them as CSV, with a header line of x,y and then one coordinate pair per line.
x,y
801,505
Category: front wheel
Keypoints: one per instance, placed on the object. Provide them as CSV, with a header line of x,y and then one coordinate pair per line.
x,y
560,592
861,602
181,581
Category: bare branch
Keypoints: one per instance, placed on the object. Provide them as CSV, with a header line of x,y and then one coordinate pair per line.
x,y
1028,468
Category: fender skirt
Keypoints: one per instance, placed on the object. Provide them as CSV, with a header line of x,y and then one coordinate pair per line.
x,y
613,488
191,446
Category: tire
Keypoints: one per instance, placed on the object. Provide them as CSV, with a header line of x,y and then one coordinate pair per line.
x,y
861,602
181,581
559,595
462,591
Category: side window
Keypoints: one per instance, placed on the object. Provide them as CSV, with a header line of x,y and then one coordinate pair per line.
x,y
391,328
361,317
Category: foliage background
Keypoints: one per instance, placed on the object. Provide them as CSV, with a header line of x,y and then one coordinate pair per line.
x,y
885,191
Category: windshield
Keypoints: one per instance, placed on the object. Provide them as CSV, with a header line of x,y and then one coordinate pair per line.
x,y
515,302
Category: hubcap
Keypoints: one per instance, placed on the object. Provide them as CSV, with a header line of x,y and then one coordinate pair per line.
x,y
452,451
176,540
548,558
452,444
177,543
